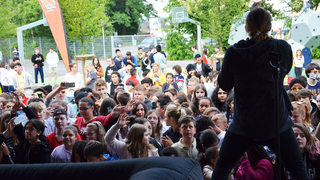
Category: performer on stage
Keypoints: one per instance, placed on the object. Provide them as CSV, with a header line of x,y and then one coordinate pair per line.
x,y
246,68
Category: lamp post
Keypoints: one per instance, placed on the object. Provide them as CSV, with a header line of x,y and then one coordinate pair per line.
x,y
104,46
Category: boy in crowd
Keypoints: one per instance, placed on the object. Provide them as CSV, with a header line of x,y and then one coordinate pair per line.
x,y
23,81
52,60
204,122
140,93
60,120
93,152
140,56
297,84
172,93
178,78
192,83
153,51
133,73
101,88
59,92
305,96
147,82
187,145
17,60
37,60
220,120
312,71
130,60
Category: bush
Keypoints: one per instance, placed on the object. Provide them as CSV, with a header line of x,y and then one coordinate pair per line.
x,y
316,53
178,47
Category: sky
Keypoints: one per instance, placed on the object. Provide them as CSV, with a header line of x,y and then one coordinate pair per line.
x,y
160,4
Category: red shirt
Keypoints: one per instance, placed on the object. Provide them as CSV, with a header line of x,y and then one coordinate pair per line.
x,y
205,59
134,79
54,142
105,121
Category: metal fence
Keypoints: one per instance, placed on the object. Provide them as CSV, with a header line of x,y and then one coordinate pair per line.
x,y
102,47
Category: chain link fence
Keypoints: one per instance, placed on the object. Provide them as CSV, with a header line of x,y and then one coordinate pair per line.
x,y
103,46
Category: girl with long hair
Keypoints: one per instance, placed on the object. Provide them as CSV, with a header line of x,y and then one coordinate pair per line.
x,y
137,143
140,109
298,63
95,131
205,55
146,62
219,97
89,114
172,135
90,75
156,75
199,92
154,117
98,67
309,150
301,114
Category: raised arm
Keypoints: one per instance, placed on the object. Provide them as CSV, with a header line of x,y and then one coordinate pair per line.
x,y
118,146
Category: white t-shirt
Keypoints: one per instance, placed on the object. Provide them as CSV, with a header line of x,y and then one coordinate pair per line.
x,y
11,74
77,80
298,61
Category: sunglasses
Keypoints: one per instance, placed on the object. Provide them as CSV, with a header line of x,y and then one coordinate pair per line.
x,y
8,106
62,92
315,71
296,88
299,103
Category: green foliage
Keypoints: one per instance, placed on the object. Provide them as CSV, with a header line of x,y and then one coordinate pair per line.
x,y
7,27
316,53
15,44
27,12
177,47
127,15
84,19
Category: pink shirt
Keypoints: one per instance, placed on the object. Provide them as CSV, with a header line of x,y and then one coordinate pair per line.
x,y
261,170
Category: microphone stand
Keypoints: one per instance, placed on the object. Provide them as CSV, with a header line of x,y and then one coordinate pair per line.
x,y
275,59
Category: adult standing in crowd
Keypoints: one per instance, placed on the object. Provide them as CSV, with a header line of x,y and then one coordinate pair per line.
x,y
195,51
160,58
252,123
90,75
218,55
205,55
75,77
37,60
52,60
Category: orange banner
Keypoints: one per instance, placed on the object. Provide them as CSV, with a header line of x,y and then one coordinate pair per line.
x,y
53,13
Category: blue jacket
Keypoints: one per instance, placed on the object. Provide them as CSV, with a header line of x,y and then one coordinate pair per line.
x,y
246,68
133,59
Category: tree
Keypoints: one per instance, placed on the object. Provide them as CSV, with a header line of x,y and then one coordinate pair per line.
x,y
7,27
28,12
84,19
126,15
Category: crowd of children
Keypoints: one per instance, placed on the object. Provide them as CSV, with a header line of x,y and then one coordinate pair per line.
x,y
123,117
154,117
